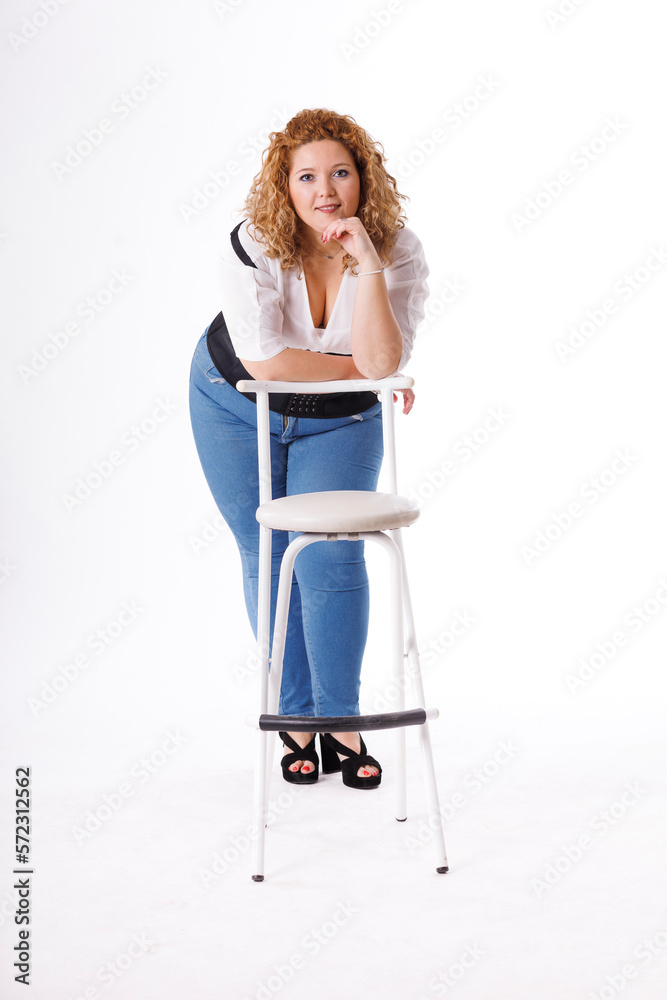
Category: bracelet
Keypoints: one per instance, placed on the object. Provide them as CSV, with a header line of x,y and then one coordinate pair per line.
x,y
362,273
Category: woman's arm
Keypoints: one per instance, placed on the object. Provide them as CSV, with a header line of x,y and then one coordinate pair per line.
x,y
375,336
296,365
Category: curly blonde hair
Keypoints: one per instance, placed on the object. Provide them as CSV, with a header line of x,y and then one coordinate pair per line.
x,y
268,206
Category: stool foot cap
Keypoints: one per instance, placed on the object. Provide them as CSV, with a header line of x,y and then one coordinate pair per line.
x,y
260,878
401,819
442,871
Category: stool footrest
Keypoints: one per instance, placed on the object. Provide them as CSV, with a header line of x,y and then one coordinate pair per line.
x,y
345,723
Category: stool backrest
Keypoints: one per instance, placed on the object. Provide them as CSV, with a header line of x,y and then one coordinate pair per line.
x,y
385,387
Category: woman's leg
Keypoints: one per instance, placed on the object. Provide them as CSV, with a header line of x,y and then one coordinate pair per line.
x,y
224,427
343,454
333,583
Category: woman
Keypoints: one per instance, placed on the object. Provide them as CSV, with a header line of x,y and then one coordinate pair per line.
x,y
321,281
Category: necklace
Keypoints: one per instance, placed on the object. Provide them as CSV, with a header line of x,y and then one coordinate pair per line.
x,y
323,253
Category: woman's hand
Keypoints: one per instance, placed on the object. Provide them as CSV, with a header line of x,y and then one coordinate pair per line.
x,y
408,399
354,239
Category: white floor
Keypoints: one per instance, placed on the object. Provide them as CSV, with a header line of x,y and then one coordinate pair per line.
x,y
555,832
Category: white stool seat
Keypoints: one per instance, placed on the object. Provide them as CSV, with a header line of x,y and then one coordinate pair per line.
x,y
346,511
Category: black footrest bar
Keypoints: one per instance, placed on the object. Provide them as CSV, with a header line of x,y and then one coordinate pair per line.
x,y
342,723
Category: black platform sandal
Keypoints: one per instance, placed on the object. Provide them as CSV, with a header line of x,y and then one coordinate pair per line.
x,y
300,753
331,747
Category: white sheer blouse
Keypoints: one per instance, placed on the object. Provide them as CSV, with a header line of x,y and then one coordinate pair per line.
x,y
266,309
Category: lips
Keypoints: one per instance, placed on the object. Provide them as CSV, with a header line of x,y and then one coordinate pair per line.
x,y
328,209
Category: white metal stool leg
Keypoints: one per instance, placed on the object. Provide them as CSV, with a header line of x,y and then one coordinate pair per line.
x,y
389,443
265,741
271,683
414,669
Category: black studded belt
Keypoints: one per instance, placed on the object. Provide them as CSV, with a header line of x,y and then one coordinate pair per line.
x,y
297,404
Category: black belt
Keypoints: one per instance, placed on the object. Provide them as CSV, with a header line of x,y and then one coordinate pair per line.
x,y
296,404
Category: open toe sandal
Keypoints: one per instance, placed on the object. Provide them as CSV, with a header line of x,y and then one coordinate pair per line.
x,y
308,753
331,747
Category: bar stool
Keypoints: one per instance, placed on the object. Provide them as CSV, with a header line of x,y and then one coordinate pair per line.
x,y
328,517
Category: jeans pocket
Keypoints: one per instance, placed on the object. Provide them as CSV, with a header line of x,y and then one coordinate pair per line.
x,y
213,375
205,363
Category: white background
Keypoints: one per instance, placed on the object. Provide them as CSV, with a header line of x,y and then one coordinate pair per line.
x,y
545,898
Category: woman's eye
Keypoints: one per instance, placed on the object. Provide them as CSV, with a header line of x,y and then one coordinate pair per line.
x,y
340,172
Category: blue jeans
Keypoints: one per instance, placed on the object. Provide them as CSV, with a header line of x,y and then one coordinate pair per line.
x,y
328,617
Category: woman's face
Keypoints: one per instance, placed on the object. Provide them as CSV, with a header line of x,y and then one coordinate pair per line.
x,y
323,183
